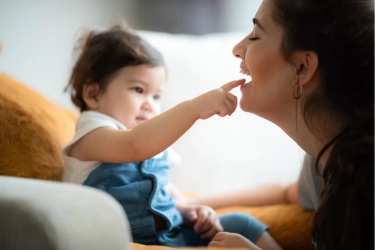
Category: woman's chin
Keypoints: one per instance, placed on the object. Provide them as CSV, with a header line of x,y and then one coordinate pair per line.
x,y
244,105
247,104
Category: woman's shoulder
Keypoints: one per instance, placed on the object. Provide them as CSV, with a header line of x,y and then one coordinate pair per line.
x,y
310,184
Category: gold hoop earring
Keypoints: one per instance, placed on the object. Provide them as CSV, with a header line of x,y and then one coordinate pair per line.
x,y
298,89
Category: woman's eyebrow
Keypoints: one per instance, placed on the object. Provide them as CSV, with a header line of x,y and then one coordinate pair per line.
x,y
256,22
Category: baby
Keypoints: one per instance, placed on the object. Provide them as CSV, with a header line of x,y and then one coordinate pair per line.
x,y
122,141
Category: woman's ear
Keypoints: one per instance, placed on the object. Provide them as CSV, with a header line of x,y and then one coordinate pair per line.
x,y
306,63
90,94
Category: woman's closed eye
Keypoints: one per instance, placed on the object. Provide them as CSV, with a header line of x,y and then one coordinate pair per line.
x,y
253,37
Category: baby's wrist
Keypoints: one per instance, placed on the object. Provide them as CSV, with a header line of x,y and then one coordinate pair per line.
x,y
192,107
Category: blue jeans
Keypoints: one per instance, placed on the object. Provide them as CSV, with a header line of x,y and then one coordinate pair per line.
x,y
239,223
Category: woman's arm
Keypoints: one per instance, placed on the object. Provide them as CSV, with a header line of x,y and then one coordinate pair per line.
x,y
261,196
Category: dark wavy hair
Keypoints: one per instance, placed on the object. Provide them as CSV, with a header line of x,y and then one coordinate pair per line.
x,y
103,54
341,33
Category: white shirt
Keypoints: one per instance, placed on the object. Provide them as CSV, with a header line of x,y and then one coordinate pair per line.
x,y
77,171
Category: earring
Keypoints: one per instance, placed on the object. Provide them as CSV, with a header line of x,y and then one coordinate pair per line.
x,y
297,91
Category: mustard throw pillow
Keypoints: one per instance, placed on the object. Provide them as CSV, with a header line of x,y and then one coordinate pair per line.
x,y
33,131
290,225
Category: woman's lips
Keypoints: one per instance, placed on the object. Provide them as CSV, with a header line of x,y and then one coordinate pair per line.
x,y
244,71
243,86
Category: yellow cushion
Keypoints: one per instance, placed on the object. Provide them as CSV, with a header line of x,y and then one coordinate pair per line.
x,y
33,131
290,225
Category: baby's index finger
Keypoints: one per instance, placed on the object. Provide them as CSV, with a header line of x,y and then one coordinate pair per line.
x,y
231,85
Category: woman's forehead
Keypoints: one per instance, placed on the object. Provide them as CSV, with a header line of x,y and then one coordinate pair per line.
x,y
264,10
264,15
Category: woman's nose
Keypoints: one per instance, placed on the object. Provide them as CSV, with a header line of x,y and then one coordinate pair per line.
x,y
239,50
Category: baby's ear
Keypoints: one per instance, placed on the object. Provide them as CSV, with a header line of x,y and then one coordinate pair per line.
x,y
90,93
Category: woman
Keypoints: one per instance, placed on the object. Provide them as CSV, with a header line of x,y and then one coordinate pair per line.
x,y
312,69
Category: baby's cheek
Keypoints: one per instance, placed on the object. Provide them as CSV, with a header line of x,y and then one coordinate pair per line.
x,y
157,110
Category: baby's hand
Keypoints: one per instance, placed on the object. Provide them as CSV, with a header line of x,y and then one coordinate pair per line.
x,y
205,221
218,101
231,240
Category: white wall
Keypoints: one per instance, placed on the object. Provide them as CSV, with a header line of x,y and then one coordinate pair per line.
x,y
238,15
219,154
38,36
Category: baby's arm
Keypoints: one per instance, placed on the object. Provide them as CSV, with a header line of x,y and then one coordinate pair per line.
x,y
157,134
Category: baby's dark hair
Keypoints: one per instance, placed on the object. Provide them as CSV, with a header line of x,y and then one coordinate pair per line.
x,y
103,54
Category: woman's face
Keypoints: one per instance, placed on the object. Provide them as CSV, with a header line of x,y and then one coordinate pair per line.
x,y
269,94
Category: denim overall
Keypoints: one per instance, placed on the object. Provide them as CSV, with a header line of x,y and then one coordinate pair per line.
x,y
138,187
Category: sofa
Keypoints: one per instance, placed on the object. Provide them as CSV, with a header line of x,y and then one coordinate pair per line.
x,y
34,129
50,215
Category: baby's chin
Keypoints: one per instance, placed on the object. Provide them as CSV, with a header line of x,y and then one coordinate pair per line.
x,y
136,123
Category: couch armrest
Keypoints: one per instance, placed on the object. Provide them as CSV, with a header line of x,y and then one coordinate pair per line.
x,y
51,215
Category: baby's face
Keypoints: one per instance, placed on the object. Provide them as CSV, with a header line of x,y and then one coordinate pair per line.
x,y
133,95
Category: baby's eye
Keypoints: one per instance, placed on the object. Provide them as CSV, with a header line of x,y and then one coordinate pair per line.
x,y
156,97
138,90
